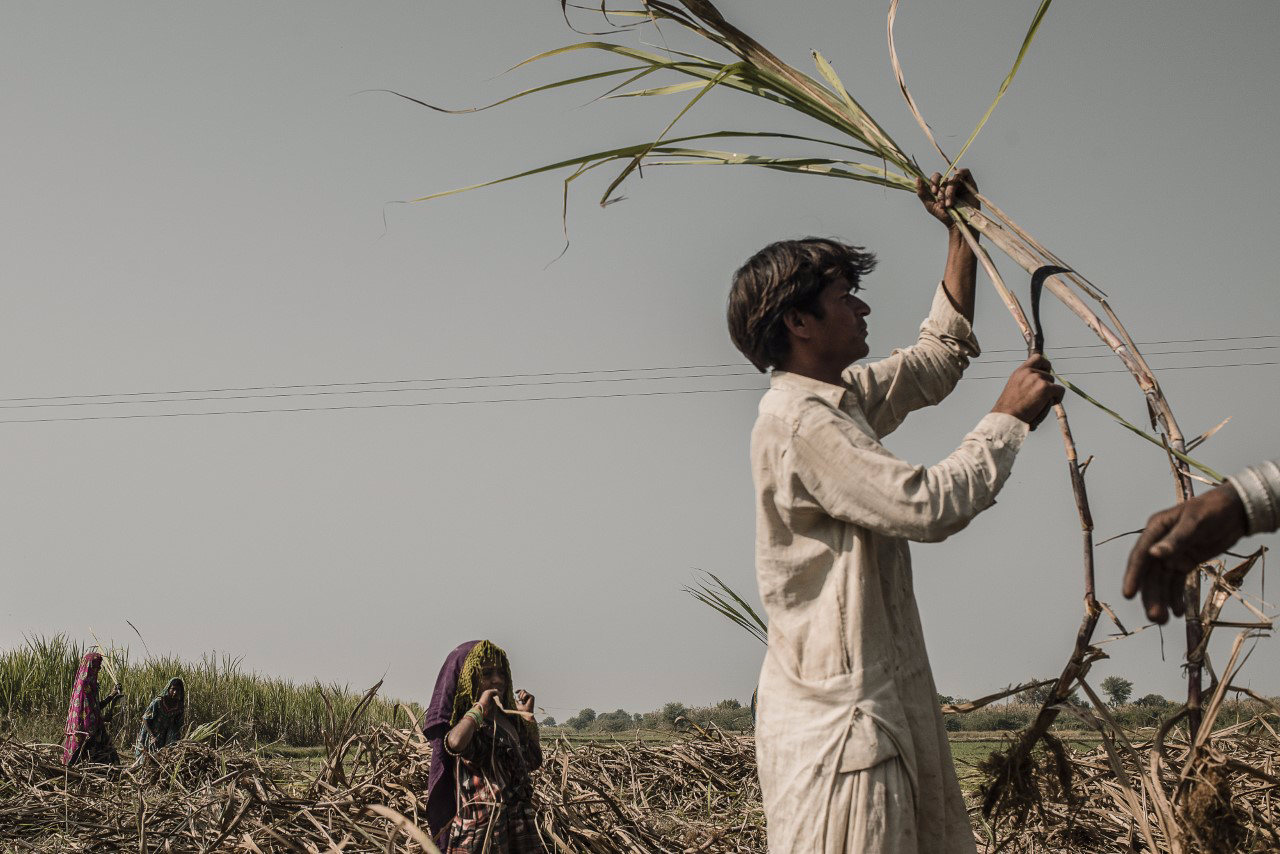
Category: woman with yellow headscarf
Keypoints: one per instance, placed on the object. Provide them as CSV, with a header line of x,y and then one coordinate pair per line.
x,y
484,747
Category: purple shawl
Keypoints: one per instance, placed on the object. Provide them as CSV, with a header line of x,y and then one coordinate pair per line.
x,y
441,802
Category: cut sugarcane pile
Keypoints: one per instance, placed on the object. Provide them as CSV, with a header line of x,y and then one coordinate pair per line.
x,y
699,794
369,795
694,795
1224,800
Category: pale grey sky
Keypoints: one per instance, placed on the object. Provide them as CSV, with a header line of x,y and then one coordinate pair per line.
x,y
194,200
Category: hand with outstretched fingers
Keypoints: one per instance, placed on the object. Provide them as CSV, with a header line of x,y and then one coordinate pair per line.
x,y
1176,541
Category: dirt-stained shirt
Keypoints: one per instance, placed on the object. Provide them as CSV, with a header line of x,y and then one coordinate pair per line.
x,y
846,682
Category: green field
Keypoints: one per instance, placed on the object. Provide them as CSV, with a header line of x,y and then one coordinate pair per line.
x,y
967,751
36,679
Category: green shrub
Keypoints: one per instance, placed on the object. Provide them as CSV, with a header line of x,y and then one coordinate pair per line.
x,y
1003,717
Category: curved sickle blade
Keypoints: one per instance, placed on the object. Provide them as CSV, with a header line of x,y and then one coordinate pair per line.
x,y
1037,285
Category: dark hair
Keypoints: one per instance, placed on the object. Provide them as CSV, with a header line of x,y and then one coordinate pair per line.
x,y
786,275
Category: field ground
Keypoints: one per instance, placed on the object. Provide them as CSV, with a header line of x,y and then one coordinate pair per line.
x,y
968,749
966,754
690,793
648,736
365,795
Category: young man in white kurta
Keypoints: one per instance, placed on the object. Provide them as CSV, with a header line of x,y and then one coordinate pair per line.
x,y
852,751
846,683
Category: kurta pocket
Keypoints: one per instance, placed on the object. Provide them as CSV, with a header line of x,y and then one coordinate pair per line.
x,y
867,745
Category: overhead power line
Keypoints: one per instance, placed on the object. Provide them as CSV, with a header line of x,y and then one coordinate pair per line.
x,y
577,378
582,373
332,389
1148,343
371,406
370,382
1057,358
348,407
377,390
1123,371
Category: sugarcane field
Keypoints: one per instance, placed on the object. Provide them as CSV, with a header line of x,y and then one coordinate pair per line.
x,y
839,428
689,788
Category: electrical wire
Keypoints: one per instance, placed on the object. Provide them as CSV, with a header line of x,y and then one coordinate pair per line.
x,y
330,391
1108,354
757,389
583,373
1162,370
369,406
1149,343
371,382
375,390
580,378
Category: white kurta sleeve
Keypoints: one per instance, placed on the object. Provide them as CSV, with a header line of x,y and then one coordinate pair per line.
x,y
854,478
920,375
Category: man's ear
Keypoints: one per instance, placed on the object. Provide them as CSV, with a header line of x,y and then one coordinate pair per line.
x,y
797,323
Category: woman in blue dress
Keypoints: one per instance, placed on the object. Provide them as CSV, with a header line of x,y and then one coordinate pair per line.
x,y
162,721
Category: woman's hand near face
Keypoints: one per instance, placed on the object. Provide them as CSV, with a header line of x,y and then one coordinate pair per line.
x,y
464,730
524,701
489,703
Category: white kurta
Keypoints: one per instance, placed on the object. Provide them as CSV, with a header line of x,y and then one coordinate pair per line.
x,y
852,751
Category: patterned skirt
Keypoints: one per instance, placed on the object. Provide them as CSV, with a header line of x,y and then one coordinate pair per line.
x,y
488,828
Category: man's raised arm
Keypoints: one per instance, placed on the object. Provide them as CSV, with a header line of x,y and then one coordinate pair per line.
x,y
962,265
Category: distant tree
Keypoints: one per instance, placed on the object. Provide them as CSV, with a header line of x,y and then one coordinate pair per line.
x,y
637,719
548,721
1148,710
1117,689
1038,695
581,720
671,711
945,699
729,704
616,721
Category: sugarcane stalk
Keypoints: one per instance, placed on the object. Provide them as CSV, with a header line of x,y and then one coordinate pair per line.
x,y
1080,660
1016,248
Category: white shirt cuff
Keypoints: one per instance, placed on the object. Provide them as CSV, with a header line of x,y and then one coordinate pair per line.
x,y
1259,490
951,326
1003,430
